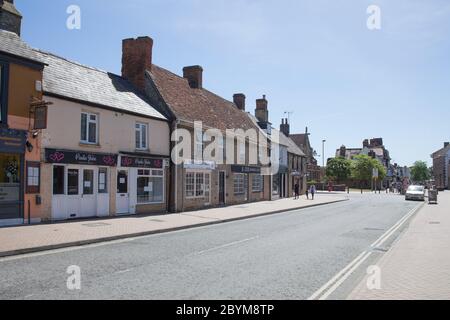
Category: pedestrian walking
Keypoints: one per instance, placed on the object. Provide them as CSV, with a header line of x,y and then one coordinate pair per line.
x,y
313,191
307,193
297,191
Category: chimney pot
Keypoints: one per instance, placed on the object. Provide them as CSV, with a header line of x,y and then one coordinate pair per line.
x,y
261,112
446,144
194,75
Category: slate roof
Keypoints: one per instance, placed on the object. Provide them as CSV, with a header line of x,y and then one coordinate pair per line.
x,y
292,146
12,44
198,104
72,80
299,139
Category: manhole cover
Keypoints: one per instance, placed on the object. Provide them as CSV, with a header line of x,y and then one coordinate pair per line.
x,y
156,220
98,224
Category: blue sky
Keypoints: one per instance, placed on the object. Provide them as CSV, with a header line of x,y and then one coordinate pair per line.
x,y
315,58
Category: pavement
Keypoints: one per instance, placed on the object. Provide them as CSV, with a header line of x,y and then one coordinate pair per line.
x,y
28,239
417,266
289,255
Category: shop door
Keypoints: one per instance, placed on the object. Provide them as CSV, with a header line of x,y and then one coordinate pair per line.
x,y
123,197
73,200
221,187
88,195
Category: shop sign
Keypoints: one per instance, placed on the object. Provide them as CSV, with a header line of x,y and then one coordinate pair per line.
x,y
245,169
12,140
80,157
199,165
138,162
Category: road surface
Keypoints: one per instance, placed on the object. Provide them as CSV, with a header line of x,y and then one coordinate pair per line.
x,y
283,256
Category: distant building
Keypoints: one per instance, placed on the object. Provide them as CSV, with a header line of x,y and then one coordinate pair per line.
x,y
313,170
441,164
374,148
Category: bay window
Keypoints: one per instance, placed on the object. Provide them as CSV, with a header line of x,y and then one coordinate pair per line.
x,y
150,186
197,184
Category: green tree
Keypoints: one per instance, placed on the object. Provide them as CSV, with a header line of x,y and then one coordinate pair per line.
x,y
362,168
338,169
420,172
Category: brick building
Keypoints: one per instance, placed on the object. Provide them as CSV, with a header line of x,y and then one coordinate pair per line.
x,y
197,181
441,167
313,170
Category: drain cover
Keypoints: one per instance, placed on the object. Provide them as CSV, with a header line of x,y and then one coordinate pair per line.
x,y
98,224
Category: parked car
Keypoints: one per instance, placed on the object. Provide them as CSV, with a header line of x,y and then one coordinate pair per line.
x,y
415,192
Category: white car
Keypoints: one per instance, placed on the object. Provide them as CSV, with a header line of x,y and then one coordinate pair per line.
x,y
415,193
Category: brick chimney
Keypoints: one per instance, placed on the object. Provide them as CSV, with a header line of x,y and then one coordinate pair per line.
x,y
446,144
239,101
136,60
285,127
10,17
194,75
342,151
261,112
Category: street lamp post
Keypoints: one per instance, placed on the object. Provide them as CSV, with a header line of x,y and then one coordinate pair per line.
x,y
323,163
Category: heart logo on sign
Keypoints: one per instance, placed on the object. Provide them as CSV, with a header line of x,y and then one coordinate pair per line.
x,y
109,160
126,161
57,157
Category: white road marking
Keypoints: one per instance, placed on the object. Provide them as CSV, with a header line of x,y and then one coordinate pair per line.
x,y
123,271
226,245
328,288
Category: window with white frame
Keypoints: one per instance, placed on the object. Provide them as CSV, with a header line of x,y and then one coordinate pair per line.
x,y
240,184
241,147
257,183
150,186
141,136
197,184
89,128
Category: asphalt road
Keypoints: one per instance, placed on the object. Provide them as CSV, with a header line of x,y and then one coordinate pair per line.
x,y
283,256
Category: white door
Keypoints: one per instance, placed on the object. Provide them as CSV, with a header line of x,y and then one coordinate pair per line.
x,y
88,194
122,197
72,200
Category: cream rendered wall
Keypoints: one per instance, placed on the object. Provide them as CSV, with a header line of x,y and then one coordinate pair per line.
x,y
116,130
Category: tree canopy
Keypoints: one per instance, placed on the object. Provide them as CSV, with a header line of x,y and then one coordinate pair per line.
x,y
420,171
338,169
362,168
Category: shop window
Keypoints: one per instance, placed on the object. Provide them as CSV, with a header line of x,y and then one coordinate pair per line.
x,y
197,184
150,186
72,182
257,183
103,180
58,180
33,177
276,185
9,178
88,182
190,185
141,136
239,183
89,128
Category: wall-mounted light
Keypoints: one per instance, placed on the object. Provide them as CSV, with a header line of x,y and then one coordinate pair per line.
x,y
35,134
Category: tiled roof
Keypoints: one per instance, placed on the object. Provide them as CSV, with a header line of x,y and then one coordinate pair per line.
x,y
12,44
75,81
198,104
292,146
299,139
